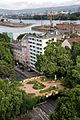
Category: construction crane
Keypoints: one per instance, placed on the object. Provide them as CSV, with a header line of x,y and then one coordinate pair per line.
x,y
49,15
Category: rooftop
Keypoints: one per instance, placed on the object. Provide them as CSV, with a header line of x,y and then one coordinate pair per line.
x,y
72,40
46,35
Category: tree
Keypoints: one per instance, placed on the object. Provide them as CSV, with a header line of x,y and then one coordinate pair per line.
x,y
56,60
6,58
68,105
13,101
75,51
73,75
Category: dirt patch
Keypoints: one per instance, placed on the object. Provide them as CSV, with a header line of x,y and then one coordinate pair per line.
x,y
28,88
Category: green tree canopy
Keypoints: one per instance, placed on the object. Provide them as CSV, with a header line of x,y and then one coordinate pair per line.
x,y
68,105
6,58
13,101
56,60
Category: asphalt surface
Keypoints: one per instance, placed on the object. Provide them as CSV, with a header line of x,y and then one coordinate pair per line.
x,y
20,74
43,110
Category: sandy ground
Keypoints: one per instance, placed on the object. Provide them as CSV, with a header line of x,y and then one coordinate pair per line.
x,y
28,88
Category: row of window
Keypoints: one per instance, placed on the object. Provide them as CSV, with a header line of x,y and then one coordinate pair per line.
x,y
32,50
32,53
39,44
32,60
39,48
31,42
35,43
35,47
32,57
35,39
39,52
31,38
32,46
32,63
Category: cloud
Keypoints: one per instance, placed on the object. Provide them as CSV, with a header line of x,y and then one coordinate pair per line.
x,y
20,4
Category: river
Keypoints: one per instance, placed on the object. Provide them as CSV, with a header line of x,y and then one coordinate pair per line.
x,y
17,31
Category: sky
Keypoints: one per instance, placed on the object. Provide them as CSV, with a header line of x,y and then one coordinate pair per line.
x,y
22,4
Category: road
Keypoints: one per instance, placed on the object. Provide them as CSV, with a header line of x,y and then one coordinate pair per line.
x,y
44,109
20,75
41,112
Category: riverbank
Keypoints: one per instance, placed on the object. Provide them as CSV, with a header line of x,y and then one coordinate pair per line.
x,y
42,28
15,25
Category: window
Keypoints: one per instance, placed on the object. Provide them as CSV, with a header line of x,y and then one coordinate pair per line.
x,y
40,48
31,49
38,52
33,46
34,50
39,44
30,42
32,60
37,47
32,53
32,63
39,40
32,57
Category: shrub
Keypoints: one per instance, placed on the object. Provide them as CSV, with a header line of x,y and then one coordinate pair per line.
x,y
48,89
38,85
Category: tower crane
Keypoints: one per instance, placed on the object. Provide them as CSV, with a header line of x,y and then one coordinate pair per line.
x,y
50,15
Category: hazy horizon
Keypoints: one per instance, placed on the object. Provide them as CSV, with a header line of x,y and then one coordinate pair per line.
x,y
32,4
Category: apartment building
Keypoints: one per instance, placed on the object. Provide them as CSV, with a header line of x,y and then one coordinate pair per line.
x,y
36,44
20,50
26,49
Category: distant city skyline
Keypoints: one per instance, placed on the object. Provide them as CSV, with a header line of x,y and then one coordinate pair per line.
x,y
28,4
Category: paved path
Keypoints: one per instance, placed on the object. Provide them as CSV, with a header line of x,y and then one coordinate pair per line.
x,y
41,112
24,74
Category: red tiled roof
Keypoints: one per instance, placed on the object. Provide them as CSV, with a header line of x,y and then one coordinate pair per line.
x,y
72,40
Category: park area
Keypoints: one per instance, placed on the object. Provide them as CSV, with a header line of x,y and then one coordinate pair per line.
x,y
40,86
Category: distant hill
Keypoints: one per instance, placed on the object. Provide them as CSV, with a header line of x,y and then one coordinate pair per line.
x,y
39,10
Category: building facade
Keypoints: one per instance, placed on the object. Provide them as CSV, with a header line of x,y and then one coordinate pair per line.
x,y
20,50
72,27
37,43
26,50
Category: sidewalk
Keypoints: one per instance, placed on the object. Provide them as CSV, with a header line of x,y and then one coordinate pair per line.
x,y
25,73
20,71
